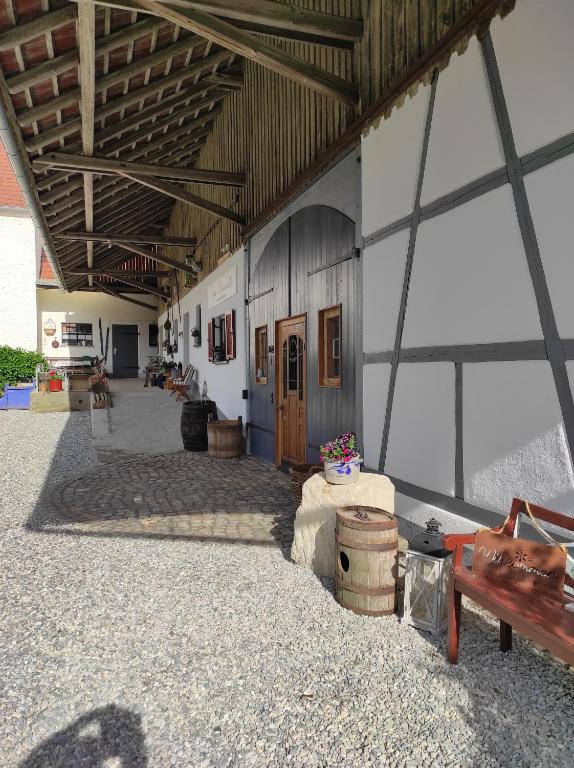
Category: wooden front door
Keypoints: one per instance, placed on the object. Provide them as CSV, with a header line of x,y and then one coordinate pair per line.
x,y
291,390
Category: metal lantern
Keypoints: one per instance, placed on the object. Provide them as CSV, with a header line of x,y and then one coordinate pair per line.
x,y
427,572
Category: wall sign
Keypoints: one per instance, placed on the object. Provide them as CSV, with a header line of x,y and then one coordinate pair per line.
x,y
224,287
55,343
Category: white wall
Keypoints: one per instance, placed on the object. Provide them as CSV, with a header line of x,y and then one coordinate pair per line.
x,y
225,381
18,314
88,307
470,283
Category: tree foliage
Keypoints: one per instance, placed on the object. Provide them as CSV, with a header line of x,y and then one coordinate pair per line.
x,y
17,365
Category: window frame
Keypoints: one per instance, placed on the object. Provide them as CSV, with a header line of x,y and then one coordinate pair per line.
x,y
330,382
261,356
151,334
76,333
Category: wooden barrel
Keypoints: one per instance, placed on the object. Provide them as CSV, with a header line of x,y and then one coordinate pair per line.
x,y
194,415
367,549
225,438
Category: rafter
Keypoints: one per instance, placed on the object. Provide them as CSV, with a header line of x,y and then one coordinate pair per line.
x,y
221,32
179,152
103,287
143,239
137,96
104,166
87,45
60,64
47,22
139,285
107,81
172,190
111,272
159,257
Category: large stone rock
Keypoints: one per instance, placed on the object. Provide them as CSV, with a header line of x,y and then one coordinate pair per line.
x,y
314,542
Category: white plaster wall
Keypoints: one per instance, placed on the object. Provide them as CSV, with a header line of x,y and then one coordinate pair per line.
x,y
383,274
551,195
514,442
464,141
225,381
417,513
535,56
390,162
422,435
339,188
470,281
86,307
18,312
375,389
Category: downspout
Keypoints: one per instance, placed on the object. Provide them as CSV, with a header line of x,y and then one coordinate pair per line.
x,y
24,177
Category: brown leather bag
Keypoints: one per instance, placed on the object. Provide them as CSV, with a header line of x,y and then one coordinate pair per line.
x,y
520,562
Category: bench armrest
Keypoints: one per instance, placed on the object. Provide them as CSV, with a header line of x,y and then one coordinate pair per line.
x,y
456,542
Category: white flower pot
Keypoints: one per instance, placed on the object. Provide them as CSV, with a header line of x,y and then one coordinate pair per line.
x,y
342,474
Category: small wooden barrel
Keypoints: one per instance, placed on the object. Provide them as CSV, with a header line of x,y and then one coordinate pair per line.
x,y
367,551
194,415
224,438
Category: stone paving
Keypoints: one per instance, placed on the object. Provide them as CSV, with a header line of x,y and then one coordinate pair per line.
x,y
186,495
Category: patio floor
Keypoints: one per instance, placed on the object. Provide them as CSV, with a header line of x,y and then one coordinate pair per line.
x,y
132,638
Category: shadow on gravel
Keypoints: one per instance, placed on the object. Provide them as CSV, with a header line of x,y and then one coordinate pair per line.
x,y
110,736
508,699
166,497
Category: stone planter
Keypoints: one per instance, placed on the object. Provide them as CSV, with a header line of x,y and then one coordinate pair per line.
x,y
342,474
55,385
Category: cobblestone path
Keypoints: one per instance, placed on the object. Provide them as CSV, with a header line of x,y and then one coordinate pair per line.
x,y
182,494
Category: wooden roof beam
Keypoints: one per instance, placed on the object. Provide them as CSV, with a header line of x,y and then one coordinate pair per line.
x,y
104,166
139,285
275,17
47,22
120,272
56,66
166,148
107,81
136,96
223,33
104,288
143,239
87,44
192,128
178,193
161,258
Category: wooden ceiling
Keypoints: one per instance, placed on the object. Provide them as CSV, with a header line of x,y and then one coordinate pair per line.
x,y
113,102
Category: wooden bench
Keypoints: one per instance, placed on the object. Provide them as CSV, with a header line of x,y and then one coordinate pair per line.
x,y
537,615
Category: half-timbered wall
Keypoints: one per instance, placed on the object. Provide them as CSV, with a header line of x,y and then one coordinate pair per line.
x,y
468,323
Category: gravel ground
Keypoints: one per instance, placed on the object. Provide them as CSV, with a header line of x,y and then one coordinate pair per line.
x,y
120,653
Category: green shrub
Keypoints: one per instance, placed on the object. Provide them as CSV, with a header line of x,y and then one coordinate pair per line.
x,y
17,365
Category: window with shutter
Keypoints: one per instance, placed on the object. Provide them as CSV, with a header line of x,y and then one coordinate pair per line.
x,y
230,335
210,336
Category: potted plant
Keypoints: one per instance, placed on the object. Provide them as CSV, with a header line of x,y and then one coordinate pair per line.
x,y
55,379
341,460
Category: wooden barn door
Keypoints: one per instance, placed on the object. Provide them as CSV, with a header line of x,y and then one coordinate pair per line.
x,y
291,391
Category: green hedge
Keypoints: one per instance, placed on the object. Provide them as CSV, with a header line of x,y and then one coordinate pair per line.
x,y
17,365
